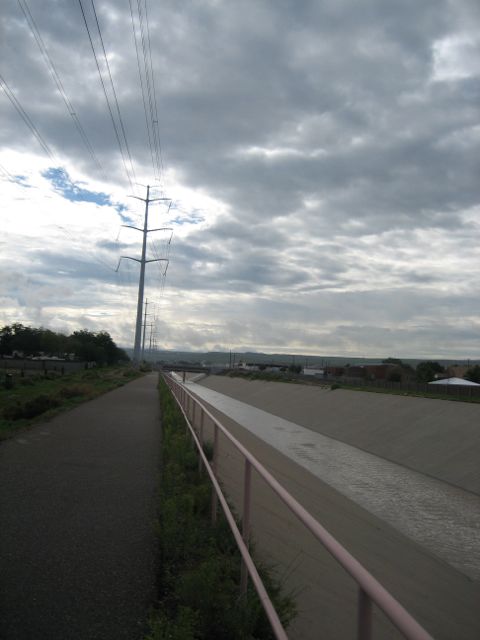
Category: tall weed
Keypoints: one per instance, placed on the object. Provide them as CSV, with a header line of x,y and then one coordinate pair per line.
x,y
199,575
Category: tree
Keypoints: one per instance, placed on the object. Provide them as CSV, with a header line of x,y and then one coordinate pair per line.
x,y
396,361
52,343
6,340
473,374
17,337
394,376
96,347
426,371
85,345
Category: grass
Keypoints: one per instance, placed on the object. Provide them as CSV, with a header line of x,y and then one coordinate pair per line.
x,y
38,397
199,567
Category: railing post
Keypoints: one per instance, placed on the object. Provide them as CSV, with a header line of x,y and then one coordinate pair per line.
x,y
214,468
247,484
364,630
187,413
200,437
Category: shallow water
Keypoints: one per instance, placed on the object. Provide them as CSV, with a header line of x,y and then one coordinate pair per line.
x,y
444,519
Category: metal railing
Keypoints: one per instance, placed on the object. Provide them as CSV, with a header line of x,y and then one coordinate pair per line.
x,y
369,589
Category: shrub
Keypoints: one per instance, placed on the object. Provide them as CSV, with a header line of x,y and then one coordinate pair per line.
x,y
31,408
76,391
130,373
26,382
199,562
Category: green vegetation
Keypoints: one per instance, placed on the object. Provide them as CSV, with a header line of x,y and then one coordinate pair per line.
x,y
473,374
426,371
82,345
26,399
199,563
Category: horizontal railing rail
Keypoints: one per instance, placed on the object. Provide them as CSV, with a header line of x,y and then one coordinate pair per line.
x,y
369,588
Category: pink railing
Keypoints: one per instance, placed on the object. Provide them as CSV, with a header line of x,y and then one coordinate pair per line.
x,y
369,589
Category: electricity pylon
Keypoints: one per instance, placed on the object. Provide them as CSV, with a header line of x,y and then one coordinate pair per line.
x,y
143,261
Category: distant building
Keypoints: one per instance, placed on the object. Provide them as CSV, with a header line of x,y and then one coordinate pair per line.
x,y
380,371
313,371
456,382
457,371
259,366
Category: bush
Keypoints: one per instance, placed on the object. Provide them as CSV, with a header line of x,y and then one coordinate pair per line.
x,y
76,391
26,382
130,373
31,408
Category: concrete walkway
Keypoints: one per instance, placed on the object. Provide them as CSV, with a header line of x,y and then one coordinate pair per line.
x,y
77,543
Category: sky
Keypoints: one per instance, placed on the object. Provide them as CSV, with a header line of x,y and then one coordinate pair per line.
x,y
321,161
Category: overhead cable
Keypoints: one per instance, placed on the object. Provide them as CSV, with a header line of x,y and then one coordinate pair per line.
x,y
147,122
120,119
54,73
25,117
129,173
159,145
6,174
147,83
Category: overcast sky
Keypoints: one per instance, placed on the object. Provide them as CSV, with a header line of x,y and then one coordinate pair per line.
x,y
322,159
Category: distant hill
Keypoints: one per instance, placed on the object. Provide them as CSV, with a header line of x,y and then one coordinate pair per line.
x,y
222,358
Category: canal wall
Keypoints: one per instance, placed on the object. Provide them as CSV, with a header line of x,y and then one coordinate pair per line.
x,y
440,597
439,438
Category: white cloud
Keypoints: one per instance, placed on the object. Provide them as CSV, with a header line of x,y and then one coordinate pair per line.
x,y
322,160
456,57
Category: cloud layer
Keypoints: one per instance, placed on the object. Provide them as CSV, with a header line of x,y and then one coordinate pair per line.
x,y
322,158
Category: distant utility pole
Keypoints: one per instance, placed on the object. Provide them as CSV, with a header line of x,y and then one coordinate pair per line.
x,y
145,328
143,261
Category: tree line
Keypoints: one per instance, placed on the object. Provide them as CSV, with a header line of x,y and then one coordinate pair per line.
x,y
30,342
426,371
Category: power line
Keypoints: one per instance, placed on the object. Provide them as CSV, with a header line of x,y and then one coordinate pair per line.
x,y
56,77
159,145
147,83
25,117
147,124
117,135
114,92
6,174
148,79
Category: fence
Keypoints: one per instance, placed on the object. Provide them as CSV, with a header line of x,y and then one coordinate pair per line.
x,y
21,364
370,591
453,390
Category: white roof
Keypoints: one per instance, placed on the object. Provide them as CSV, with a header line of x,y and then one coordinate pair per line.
x,y
458,381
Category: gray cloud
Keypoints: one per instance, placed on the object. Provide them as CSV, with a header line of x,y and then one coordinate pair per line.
x,y
344,165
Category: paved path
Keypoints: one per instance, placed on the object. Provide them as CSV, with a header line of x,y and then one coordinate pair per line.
x,y
77,542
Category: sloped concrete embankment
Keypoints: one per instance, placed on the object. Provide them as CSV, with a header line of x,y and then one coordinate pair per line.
x,y
441,598
436,437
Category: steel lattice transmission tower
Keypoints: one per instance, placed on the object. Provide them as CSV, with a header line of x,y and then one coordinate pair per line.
x,y
143,262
